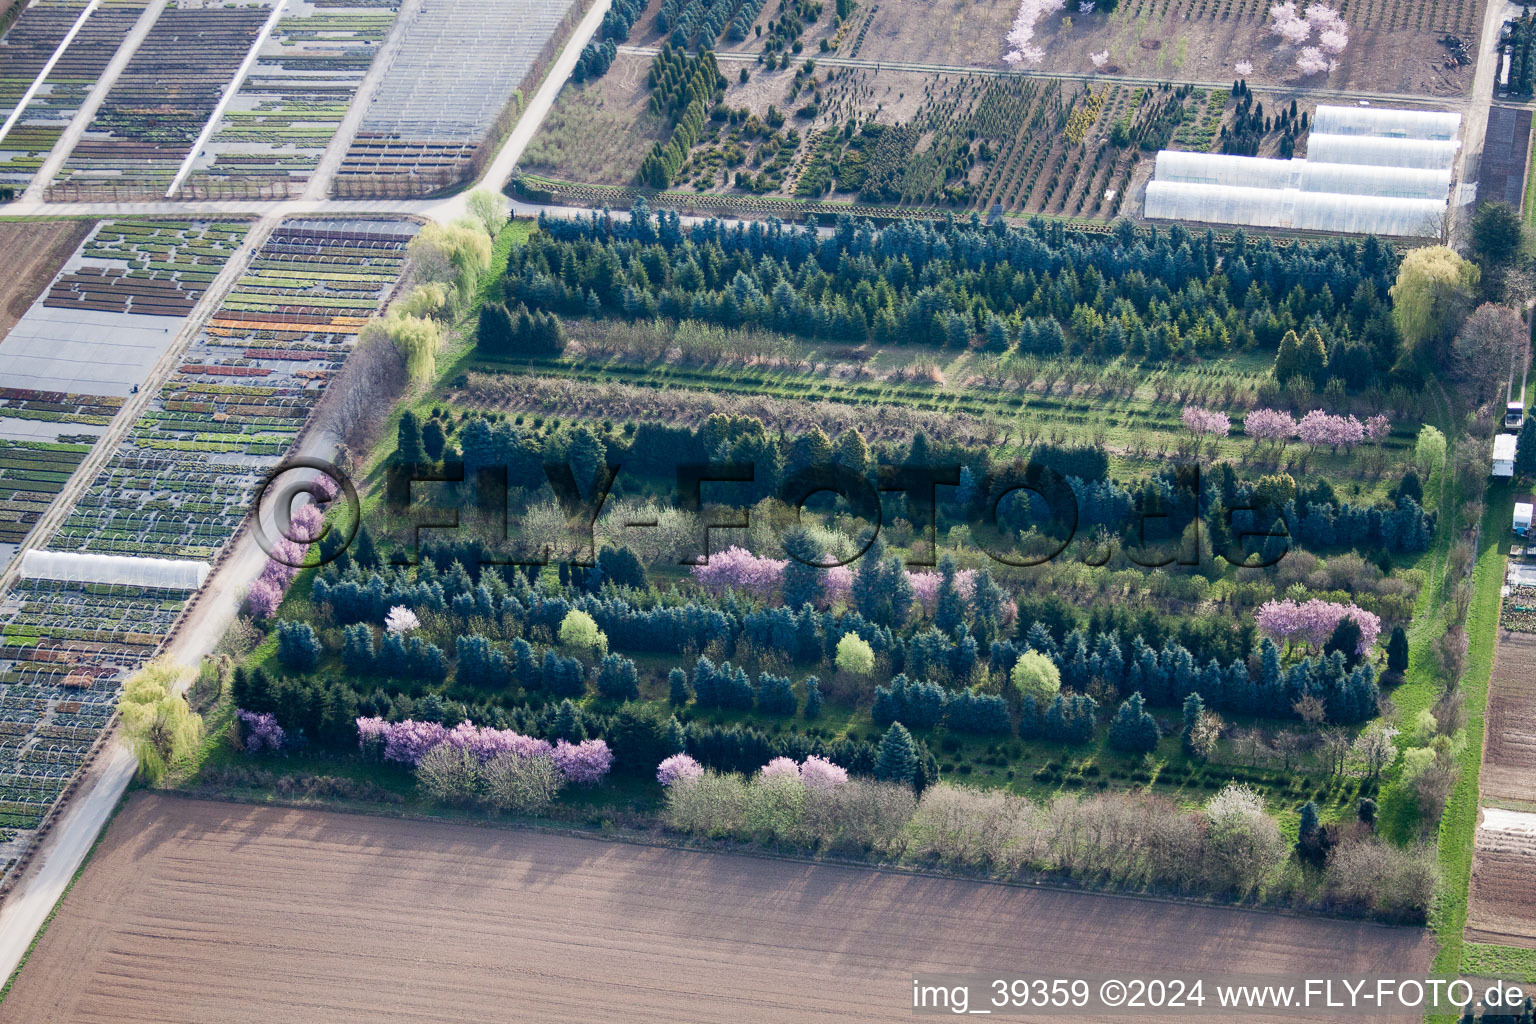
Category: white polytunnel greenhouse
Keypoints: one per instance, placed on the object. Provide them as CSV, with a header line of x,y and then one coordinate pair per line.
x,y
1365,180
122,570
1309,176
1294,209
1384,172
1221,169
1378,152
1395,124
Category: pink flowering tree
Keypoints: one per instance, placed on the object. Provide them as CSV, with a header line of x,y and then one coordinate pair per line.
x,y
736,568
836,585
819,773
1287,23
1319,428
1313,622
262,599
1270,425
370,736
487,743
1324,18
679,768
1311,61
585,763
283,564
260,731
1206,422
925,587
408,742
781,768
1295,27
1377,428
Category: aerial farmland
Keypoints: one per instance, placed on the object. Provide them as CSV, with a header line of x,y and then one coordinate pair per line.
x,y
767,510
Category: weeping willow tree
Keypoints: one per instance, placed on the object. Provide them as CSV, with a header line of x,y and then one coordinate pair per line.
x,y
457,255
157,723
425,300
1435,287
447,264
417,340
489,209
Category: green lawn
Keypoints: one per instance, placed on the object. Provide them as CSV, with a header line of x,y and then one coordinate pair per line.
x,y
1459,822
1504,962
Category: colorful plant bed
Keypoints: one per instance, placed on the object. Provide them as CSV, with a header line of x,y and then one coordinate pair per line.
x,y
178,486
292,103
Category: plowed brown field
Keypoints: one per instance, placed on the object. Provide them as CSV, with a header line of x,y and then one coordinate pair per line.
x,y
1502,907
1502,903
33,252
198,911
1509,764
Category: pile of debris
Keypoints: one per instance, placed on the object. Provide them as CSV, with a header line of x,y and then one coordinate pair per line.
x,y
1460,55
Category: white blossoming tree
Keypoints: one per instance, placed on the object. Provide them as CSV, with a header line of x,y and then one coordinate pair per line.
x,y
401,620
1021,37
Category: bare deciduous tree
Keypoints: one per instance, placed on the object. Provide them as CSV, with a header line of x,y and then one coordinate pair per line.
x,y
1311,709
1375,876
1450,712
1484,351
1334,746
1451,652
1431,788
1288,744
358,399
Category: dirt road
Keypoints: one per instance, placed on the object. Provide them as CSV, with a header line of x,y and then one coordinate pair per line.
x,y
203,911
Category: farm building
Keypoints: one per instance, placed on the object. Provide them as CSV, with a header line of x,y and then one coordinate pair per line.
x,y
1385,172
1504,455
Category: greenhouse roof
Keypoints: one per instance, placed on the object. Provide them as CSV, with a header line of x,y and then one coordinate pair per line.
x,y
1294,209
1387,123
1307,175
124,570
1380,152
1367,170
